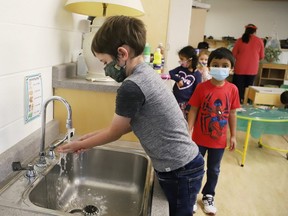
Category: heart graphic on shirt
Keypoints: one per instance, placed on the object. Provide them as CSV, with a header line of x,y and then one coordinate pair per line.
x,y
188,80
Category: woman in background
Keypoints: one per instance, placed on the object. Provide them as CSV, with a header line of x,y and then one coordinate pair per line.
x,y
248,51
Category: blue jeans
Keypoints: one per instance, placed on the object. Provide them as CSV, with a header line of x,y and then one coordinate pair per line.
x,y
214,157
182,185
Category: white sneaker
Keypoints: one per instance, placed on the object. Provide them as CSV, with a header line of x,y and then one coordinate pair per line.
x,y
208,202
195,207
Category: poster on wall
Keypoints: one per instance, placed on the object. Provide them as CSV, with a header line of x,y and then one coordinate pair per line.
x,y
33,97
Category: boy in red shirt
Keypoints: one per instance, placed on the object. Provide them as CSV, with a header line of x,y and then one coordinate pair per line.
x,y
213,109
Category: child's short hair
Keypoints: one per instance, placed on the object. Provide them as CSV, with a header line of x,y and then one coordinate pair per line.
x,y
221,53
189,52
117,31
284,98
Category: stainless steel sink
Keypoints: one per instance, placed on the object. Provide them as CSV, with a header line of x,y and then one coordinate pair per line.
x,y
101,181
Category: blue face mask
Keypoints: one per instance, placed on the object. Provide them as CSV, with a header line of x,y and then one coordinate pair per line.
x,y
219,73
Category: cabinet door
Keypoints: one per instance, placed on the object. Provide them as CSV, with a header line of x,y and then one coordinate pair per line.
x,y
91,111
197,26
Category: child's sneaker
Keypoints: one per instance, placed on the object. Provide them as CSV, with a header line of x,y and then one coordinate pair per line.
x,y
195,207
208,202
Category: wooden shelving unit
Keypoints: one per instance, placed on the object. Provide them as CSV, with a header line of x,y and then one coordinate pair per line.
x,y
272,74
214,44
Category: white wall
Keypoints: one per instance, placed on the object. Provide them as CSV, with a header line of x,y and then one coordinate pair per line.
x,y
178,31
34,36
228,17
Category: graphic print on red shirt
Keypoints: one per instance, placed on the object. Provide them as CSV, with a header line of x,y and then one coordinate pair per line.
x,y
214,118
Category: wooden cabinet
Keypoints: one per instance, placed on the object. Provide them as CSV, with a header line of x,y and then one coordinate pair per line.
x,y
263,96
214,44
272,74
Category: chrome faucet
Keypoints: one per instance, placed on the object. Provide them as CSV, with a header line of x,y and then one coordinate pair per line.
x,y
42,154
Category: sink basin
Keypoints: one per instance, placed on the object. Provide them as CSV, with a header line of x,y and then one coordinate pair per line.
x,y
101,181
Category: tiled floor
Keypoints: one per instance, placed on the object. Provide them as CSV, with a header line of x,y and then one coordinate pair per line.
x,y
260,188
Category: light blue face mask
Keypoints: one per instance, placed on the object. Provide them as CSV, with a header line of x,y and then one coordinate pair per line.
x,y
219,73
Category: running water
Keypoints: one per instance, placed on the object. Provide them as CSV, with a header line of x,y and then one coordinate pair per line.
x,y
62,160
62,163
81,160
85,195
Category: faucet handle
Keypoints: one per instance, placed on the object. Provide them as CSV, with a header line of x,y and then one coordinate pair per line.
x,y
30,173
16,166
51,153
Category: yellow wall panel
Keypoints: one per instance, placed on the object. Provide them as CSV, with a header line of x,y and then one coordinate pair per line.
x,y
156,21
90,111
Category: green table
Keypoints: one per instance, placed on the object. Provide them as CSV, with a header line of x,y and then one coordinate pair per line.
x,y
259,121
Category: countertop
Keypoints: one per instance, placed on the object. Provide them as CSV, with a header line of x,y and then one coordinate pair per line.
x,y
65,76
159,203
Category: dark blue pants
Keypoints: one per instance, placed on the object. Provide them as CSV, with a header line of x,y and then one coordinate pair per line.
x,y
242,82
214,157
182,185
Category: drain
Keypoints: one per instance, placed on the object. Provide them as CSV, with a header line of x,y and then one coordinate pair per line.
x,y
89,210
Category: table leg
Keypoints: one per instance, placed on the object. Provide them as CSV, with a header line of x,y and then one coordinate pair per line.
x,y
261,145
260,142
246,142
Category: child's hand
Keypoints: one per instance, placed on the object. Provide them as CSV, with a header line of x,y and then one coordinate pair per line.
x,y
233,144
180,84
70,147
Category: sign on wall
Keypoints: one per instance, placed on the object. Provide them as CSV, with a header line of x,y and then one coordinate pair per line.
x,y
33,97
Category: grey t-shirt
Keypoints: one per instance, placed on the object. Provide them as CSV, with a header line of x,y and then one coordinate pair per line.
x,y
156,119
